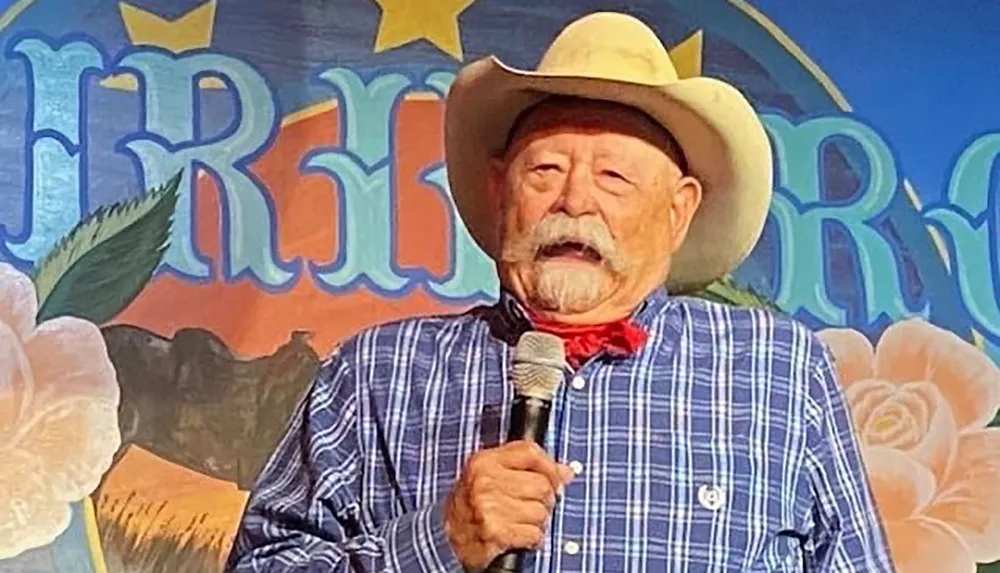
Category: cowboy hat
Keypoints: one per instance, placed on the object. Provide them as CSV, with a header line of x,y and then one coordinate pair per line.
x,y
616,57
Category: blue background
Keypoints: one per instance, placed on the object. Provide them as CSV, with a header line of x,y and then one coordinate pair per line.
x,y
923,74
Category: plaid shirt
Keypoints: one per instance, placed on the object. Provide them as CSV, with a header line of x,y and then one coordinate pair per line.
x,y
723,445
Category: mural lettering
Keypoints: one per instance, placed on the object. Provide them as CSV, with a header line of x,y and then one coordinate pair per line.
x,y
362,169
968,218
801,211
169,137
170,140
55,141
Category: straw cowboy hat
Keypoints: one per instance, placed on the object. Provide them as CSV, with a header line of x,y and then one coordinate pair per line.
x,y
616,57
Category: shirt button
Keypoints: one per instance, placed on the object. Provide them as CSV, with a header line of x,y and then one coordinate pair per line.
x,y
576,466
579,383
571,547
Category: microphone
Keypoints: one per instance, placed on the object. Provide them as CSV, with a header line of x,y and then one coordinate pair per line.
x,y
539,359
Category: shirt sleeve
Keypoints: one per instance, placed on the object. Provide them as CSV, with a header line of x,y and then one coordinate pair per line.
x,y
306,512
848,536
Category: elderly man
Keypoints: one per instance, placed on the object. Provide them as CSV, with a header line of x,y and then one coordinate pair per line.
x,y
690,436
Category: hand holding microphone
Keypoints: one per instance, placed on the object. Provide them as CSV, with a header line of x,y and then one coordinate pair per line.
x,y
504,497
503,501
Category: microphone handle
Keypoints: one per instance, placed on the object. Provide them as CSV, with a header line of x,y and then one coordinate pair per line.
x,y
529,420
510,562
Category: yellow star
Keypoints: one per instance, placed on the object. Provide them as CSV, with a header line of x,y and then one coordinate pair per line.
x,y
405,21
687,56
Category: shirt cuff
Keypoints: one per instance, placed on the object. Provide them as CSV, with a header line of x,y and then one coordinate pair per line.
x,y
418,542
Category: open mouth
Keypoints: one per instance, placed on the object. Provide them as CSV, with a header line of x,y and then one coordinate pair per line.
x,y
570,250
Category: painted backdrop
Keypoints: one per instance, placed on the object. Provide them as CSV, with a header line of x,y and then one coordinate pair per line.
x,y
200,198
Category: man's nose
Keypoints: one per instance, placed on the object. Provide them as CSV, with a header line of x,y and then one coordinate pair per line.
x,y
577,196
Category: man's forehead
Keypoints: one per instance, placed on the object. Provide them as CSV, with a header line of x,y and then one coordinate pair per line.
x,y
590,116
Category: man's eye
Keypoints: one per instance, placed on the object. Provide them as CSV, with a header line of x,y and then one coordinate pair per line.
x,y
614,174
545,167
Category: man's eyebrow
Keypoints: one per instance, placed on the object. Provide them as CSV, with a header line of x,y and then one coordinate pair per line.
x,y
663,139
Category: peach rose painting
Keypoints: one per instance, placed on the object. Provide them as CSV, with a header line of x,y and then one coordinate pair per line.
x,y
58,416
59,391
921,400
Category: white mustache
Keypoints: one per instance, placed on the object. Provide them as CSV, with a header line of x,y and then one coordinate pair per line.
x,y
559,228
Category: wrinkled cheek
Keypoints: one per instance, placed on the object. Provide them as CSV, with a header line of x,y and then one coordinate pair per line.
x,y
522,212
648,248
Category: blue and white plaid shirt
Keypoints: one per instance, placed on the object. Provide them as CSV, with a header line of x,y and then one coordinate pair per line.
x,y
723,445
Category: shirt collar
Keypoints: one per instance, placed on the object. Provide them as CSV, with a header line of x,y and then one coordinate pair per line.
x,y
512,318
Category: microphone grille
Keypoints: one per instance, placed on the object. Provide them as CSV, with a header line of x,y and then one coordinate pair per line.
x,y
539,360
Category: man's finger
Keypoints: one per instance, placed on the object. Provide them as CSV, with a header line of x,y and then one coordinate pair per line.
x,y
534,513
525,513
527,485
529,456
507,536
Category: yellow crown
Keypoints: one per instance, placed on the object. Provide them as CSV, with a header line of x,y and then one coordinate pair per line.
x,y
190,31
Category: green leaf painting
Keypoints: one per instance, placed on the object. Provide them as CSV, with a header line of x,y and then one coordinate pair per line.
x,y
988,567
726,291
96,270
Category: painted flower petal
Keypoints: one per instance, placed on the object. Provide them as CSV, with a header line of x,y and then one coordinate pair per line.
x,y
913,418
58,416
901,485
70,359
915,349
970,500
16,382
926,545
853,353
864,397
29,516
18,302
73,443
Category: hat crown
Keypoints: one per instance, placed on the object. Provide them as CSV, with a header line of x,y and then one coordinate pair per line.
x,y
611,46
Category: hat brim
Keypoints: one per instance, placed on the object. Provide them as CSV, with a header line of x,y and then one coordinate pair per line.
x,y
723,140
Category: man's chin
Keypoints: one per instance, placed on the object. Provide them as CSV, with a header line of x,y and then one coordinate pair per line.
x,y
569,287
578,268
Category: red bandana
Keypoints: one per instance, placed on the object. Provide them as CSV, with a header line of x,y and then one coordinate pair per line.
x,y
584,341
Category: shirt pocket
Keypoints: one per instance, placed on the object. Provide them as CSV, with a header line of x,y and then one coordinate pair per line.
x,y
743,504
782,555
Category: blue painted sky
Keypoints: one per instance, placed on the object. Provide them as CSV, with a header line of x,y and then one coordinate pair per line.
x,y
922,73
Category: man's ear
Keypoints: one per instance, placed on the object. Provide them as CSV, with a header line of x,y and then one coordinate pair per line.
x,y
684,203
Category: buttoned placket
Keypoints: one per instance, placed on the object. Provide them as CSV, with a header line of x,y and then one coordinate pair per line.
x,y
568,442
576,399
569,542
